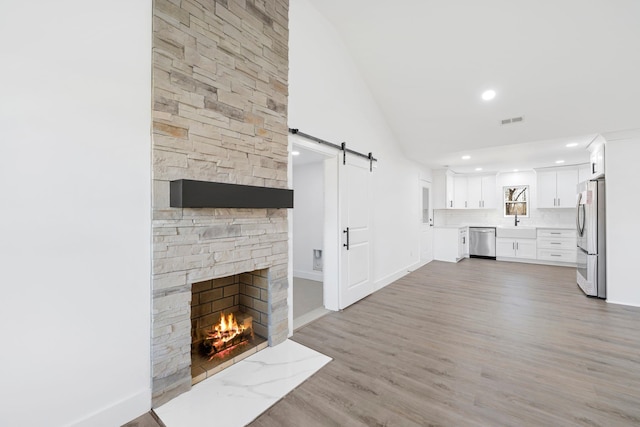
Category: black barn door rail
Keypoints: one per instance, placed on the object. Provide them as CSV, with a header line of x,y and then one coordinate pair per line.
x,y
342,147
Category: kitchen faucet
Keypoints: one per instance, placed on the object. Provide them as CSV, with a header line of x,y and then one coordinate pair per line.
x,y
516,221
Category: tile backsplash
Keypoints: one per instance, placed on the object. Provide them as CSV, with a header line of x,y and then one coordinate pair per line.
x,y
562,217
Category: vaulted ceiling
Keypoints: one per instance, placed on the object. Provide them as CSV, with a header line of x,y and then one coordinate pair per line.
x,y
570,68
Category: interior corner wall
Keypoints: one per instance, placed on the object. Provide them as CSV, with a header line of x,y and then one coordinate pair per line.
x,y
329,99
75,224
622,232
308,218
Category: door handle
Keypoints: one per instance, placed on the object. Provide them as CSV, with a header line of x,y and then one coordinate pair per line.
x,y
578,213
346,245
584,220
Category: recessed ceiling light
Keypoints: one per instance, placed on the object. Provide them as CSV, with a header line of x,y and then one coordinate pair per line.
x,y
478,169
516,170
559,161
488,94
295,153
466,157
572,144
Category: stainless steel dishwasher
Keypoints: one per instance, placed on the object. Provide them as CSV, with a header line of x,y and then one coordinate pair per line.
x,y
482,242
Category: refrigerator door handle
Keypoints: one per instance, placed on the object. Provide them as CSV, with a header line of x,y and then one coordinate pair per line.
x,y
579,222
577,209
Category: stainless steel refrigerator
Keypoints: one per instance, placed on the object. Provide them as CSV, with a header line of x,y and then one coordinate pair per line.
x,y
590,223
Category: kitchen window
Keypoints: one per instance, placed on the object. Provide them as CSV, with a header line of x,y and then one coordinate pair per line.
x,y
516,200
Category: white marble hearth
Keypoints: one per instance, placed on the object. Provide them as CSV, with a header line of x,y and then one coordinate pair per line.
x,y
237,395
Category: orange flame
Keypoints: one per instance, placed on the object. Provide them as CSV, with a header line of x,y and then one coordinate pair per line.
x,y
226,330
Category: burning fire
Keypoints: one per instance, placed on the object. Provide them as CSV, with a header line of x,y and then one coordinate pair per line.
x,y
222,335
226,330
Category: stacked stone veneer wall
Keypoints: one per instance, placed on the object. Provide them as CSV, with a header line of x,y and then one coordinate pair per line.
x,y
219,114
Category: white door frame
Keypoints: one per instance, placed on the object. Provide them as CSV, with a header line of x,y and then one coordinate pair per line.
x,y
330,244
426,227
333,236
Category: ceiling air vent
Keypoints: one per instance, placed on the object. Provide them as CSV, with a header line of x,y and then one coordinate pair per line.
x,y
512,120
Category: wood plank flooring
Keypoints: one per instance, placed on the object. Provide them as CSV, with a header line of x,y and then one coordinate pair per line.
x,y
478,343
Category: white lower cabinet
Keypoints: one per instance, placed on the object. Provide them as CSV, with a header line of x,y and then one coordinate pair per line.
x,y
551,246
558,245
463,242
515,248
450,244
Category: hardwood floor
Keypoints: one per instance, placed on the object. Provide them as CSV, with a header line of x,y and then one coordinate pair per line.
x,y
478,343
150,419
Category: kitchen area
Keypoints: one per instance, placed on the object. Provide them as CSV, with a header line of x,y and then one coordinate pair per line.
x,y
547,215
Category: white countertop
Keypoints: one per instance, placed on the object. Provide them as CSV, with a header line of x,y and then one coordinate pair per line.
x,y
548,227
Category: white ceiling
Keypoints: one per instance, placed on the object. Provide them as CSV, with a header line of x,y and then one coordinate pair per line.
x,y
571,68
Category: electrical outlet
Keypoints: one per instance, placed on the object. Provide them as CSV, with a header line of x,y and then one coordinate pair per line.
x,y
317,259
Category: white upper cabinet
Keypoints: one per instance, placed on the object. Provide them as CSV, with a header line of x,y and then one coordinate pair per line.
x,y
460,200
482,192
557,188
489,192
442,189
474,192
567,188
546,189
449,190
459,191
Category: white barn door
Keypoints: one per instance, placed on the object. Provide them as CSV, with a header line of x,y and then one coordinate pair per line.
x,y
355,199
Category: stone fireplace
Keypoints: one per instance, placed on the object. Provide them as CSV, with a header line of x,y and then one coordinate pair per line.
x,y
219,115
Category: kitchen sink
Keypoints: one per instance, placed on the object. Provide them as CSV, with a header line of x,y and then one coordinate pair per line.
x,y
519,232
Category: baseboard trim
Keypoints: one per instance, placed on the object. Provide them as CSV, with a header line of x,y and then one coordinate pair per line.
x,y
307,318
119,413
389,279
309,275
418,265
536,261
622,303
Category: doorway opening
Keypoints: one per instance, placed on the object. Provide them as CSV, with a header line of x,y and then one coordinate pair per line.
x,y
309,226
426,223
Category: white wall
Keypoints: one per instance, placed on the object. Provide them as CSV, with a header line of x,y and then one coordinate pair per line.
x,y
623,205
75,212
308,218
328,99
